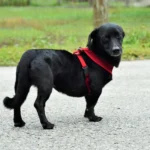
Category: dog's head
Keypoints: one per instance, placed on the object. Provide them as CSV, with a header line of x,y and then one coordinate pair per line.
x,y
106,41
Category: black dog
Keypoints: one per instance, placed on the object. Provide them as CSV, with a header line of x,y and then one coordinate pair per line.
x,y
62,70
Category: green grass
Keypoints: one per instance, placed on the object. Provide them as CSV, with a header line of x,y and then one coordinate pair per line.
x,y
23,28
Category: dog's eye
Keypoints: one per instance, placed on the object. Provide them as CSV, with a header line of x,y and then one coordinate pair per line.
x,y
118,37
105,39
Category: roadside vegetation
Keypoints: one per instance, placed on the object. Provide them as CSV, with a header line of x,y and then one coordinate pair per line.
x,y
67,27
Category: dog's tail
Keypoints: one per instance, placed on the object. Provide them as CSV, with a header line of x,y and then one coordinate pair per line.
x,y
22,84
8,102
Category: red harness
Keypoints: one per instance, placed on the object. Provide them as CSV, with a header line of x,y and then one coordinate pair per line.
x,y
105,65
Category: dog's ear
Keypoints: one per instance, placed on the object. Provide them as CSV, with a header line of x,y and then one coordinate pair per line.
x,y
91,37
123,33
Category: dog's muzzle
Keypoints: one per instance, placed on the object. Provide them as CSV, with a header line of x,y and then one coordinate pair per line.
x,y
116,51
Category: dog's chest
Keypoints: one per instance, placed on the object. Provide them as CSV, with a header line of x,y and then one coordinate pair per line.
x,y
99,80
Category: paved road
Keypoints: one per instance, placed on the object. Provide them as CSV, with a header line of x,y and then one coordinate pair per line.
x,y
124,106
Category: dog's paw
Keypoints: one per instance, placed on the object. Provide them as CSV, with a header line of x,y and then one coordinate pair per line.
x,y
95,118
19,123
48,126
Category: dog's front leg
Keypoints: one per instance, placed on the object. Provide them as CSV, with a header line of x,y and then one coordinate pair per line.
x,y
91,101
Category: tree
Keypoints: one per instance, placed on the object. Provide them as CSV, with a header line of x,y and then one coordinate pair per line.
x,y
100,12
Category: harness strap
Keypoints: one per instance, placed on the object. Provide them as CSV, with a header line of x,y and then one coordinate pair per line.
x,y
85,69
104,64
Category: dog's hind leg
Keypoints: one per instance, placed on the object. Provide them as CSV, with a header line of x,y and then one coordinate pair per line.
x,y
91,101
43,79
43,95
22,87
18,122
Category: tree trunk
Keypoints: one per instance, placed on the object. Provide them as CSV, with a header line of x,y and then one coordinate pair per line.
x,y
100,12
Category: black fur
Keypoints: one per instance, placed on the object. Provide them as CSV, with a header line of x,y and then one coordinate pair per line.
x,y
47,68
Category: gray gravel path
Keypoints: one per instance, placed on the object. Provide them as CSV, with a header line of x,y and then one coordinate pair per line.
x,y
124,106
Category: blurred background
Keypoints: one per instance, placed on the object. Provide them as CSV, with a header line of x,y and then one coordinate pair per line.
x,y
66,24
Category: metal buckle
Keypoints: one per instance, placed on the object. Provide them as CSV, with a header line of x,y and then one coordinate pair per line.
x,y
80,49
76,53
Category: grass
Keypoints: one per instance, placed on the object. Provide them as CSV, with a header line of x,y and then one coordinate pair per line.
x,y
23,28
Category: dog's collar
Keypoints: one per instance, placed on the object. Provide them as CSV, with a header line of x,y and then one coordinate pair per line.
x,y
104,64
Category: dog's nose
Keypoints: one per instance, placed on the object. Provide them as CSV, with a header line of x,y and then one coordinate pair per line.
x,y
116,50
